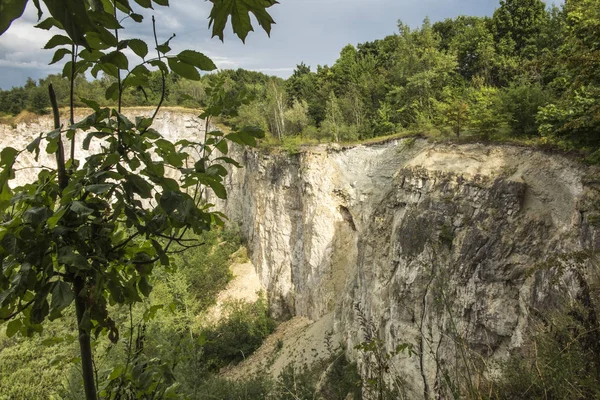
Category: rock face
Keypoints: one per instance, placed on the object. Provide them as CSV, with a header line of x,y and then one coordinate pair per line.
x,y
444,247
172,124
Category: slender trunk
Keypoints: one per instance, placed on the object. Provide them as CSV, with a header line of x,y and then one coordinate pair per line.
x,y
72,98
85,347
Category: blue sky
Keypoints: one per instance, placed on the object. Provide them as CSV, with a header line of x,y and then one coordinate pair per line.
x,y
309,31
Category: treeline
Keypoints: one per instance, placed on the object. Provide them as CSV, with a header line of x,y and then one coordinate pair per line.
x,y
527,71
34,97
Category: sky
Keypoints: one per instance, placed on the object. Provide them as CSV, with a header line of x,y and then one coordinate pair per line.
x,y
309,31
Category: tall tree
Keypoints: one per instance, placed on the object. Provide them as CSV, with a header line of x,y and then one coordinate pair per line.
x,y
575,116
90,231
518,25
419,73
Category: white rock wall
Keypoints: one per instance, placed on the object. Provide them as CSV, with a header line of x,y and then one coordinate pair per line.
x,y
437,244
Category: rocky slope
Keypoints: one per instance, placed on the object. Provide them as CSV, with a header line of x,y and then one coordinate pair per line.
x,y
445,247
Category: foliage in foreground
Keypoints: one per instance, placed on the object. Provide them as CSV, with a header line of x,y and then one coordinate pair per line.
x,y
165,327
91,230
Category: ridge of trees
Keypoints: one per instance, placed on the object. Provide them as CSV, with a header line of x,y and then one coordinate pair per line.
x,y
526,72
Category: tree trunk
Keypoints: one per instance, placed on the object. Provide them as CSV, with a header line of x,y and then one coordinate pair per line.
x,y
85,347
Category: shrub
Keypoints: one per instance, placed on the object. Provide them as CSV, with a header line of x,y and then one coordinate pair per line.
x,y
235,338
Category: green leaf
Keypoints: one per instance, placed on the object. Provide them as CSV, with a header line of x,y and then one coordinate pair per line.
x,y
160,65
49,23
164,258
99,188
13,327
116,58
144,286
136,17
112,92
62,297
222,146
9,11
216,170
242,138
197,59
139,47
116,372
253,131
144,3
36,216
8,156
10,244
67,256
229,161
35,145
185,70
58,40
170,201
218,188
53,220
59,54
67,69
81,209
140,186
240,10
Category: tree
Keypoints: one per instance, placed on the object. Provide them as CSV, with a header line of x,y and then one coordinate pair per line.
x,y
418,75
457,115
296,117
473,44
90,231
575,115
522,101
334,119
518,24
276,108
485,116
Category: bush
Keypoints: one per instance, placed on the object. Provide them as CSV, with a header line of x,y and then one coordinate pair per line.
x,y
561,360
522,103
242,332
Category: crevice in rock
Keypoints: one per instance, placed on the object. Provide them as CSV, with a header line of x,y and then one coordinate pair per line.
x,y
347,216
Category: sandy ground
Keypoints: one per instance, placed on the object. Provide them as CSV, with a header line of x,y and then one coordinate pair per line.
x,y
245,285
298,341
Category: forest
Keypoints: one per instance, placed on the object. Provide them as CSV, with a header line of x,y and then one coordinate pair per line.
x,y
527,73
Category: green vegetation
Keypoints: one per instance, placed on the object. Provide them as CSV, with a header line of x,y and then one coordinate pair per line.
x,y
164,327
93,250
527,74
91,232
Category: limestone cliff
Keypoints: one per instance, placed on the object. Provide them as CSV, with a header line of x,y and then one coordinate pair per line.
x,y
173,124
438,245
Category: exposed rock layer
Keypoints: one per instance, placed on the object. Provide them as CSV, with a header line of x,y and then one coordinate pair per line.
x,y
436,244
